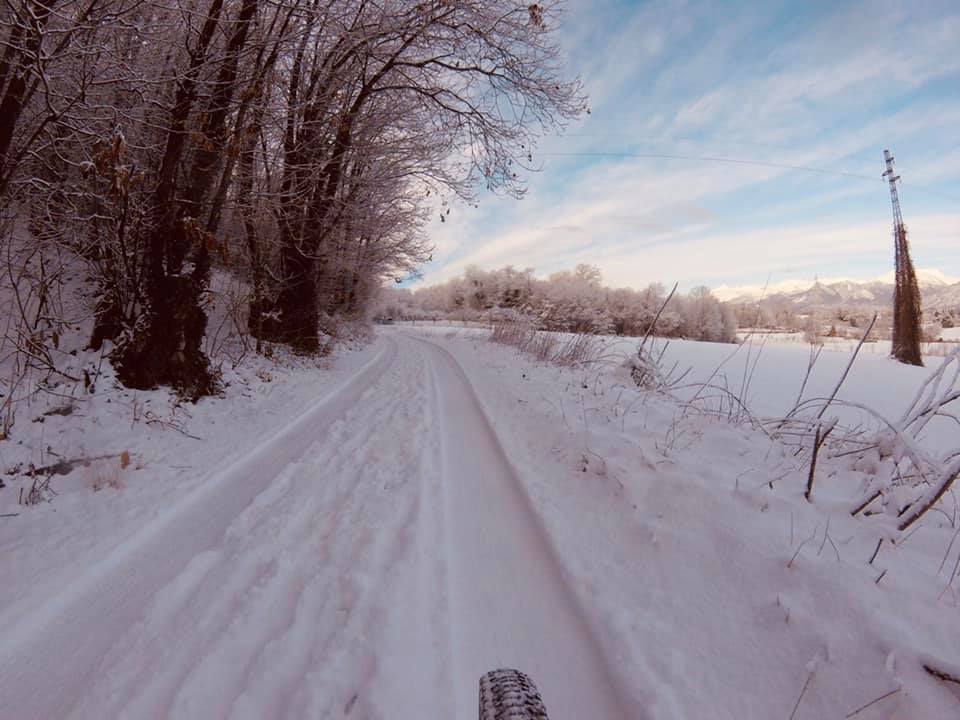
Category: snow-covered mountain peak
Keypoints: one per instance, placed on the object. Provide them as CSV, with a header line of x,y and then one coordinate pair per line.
x,y
840,288
927,277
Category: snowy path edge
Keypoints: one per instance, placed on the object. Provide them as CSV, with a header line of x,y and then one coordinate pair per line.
x,y
114,592
558,643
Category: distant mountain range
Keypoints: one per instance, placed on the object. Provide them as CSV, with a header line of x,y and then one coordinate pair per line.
x,y
939,292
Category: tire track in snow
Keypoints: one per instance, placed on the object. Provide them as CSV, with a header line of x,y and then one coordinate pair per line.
x,y
421,685
511,605
361,574
182,547
287,622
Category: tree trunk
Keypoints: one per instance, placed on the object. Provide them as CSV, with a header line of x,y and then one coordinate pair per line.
x,y
248,142
298,302
13,42
165,345
214,129
296,307
12,103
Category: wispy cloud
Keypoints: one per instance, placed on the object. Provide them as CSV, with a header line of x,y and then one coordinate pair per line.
x,y
779,83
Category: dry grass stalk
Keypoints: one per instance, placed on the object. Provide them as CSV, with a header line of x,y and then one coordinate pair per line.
x,y
860,709
941,674
818,441
547,347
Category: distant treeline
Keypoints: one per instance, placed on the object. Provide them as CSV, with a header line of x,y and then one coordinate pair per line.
x,y
568,301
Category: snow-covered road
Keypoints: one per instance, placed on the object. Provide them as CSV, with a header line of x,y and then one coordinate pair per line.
x,y
510,605
369,560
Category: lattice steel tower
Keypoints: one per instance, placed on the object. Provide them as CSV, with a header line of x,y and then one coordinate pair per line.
x,y
907,310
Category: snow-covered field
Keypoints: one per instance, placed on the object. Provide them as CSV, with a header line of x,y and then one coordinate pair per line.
x,y
767,371
845,345
716,587
768,376
365,539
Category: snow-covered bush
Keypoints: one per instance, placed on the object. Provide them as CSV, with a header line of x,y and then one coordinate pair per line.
x,y
572,302
903,475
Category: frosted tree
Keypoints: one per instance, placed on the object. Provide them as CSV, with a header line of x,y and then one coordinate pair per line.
x,y
301,144
577,301
464,87
704,317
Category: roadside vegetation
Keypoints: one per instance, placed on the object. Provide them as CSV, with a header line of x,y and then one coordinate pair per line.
x,y
568,301
298,146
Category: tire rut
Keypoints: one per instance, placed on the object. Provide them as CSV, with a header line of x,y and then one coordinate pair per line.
x,y
512,605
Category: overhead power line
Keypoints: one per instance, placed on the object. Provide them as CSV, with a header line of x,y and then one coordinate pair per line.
x,y
737,161
710,158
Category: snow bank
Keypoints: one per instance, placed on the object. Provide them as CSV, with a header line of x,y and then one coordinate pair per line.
x,y
171,447
717,588
768,375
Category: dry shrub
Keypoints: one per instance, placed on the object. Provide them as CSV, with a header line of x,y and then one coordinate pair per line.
x,y
578,350
227,307
40,491
648,371
515,334
542,346
547,346
343,329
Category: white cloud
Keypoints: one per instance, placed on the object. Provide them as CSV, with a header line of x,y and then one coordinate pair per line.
x,y
831,95
826,249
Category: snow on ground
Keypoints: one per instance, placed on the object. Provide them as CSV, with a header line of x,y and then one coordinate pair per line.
x,y
510,603
133,453
200,589
769,377
678,534
366,539
767,371
952,334
173,449
374,556
846,345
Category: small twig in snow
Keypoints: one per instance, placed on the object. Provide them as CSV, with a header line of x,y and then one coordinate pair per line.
x,y
849,365
947,553
953,575
800,699
903,542
944,483
817,528
834,546
826,537
818,441
655,319
872,702
941,674
862,506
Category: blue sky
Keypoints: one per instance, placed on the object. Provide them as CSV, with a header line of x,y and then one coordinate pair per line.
x,y
827,85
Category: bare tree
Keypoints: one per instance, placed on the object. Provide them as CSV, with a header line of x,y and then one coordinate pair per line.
x,y
465,86
140,138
